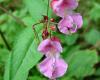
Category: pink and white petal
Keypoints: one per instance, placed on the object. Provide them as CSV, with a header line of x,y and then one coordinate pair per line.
x,y
63,7
72,4
61,12
77,19
73,30
53,67
64,24
56,7
45,67
58,46
42,45
63,30
54,38
55,4
60,68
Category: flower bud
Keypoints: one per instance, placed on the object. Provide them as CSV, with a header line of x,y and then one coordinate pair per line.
x,y
45,34
45,18
52,19
53,28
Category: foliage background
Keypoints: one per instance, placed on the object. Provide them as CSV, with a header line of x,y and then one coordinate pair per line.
x,y
18,54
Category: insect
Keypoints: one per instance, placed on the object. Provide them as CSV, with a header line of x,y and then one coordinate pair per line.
x,y
49,25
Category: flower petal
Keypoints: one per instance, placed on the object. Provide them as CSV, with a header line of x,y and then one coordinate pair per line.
x,y
71,4
42,45
77,18
58,46
65,24
60,68
53,67
45,67
50,47
63,7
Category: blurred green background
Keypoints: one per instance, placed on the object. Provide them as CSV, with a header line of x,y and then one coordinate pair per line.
x,y
81,50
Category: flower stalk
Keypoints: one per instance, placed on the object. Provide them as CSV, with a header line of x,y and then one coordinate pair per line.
x,y
53,66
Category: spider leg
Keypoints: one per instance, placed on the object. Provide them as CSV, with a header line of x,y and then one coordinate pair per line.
x,y
35,32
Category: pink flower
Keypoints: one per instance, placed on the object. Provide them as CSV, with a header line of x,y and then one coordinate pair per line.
x,y
50,47
70,23
63,7
53,67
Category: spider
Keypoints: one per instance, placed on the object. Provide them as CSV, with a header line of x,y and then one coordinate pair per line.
x,y
49,25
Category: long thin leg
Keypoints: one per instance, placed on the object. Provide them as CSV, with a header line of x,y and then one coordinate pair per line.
x,y
37,24
35,32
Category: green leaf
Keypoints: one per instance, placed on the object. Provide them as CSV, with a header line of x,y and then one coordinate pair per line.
x,y
86,23
68,39
67,78
1,1
93,37
1,41
71,39
99,57
3,55
95,12
28,20
97,79
7,69
36,8
81,63
36,78
3,20
97,72
69,50
1,78
23,57
14,28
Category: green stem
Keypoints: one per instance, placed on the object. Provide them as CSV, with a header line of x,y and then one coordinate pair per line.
x,y
48,7
5,41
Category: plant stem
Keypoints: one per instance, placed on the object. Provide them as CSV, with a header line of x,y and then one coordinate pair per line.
x,y
5,41
48,7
